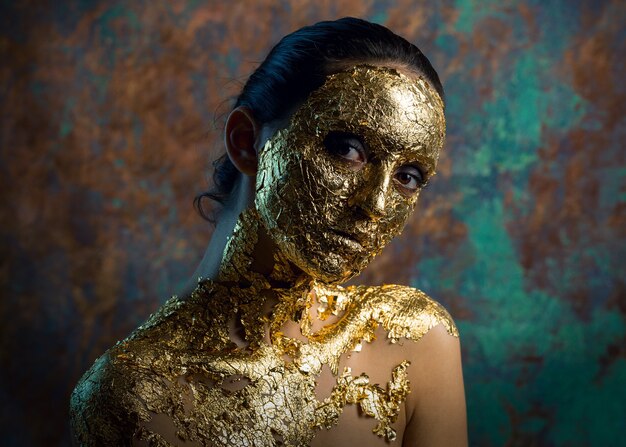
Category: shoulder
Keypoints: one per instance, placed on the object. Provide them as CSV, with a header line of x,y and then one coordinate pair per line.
x,y
404,312
436,404
104,407
424,337
117,394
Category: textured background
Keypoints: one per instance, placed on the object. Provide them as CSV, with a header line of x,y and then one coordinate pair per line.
x,y
108,112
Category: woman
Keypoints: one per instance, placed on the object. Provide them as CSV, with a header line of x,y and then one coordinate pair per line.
x,y
328,147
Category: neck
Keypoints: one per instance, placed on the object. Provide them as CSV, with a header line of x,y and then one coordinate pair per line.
x,y
258,285
250,256
241,251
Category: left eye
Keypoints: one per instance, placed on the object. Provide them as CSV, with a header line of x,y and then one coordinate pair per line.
x,y
346,146
409,178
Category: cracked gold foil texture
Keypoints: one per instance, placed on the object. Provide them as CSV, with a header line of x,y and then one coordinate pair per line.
x,y
218,368
305,196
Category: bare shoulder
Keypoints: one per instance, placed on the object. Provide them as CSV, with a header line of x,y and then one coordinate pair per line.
x,y
429,339
118,394
404,312
105,408
422,332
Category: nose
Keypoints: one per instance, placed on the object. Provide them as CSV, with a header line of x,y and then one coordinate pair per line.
x,y
372,196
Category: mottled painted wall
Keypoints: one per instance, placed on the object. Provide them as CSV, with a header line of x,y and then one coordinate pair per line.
x,y
108,112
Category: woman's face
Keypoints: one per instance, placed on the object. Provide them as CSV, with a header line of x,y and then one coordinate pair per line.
x,y
340,181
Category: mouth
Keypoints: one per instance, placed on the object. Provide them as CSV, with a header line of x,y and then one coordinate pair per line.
x,y
351,240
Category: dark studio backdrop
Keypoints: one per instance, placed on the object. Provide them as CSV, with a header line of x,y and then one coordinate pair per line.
x,y
107,135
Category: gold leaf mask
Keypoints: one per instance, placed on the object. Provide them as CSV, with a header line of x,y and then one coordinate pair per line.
x,y
333,188
328,214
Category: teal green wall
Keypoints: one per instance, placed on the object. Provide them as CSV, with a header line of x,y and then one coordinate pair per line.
x,y
107,134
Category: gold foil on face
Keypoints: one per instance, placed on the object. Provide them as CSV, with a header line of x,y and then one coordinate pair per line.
x,y
182,375
307,196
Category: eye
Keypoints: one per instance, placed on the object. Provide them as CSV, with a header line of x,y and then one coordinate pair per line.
x,y
345,145
409,178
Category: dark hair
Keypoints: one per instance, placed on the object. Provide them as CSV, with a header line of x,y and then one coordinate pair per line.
x,y
299,64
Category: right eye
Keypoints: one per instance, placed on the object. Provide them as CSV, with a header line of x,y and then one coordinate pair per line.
x,y
345,145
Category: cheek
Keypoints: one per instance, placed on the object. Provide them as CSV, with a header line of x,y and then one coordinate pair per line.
x,y
327,184
334,177
299,192
403,208
398,214
276,196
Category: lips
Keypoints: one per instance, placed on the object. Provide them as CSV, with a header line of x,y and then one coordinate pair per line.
x,y
345,241
363,239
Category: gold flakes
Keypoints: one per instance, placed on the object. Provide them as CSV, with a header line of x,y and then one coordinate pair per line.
x,y
234,396
224,367
307,193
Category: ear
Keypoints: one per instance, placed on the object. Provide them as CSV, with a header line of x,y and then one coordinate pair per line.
x,y
240,135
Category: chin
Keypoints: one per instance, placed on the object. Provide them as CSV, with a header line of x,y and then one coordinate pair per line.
x,y
327,267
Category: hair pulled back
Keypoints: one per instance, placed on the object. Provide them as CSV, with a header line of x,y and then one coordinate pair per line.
x,y
299,64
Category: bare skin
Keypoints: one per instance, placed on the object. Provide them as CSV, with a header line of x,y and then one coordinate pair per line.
x,y
434,412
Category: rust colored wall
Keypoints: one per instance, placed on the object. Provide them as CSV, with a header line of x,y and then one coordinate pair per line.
x,y
107,134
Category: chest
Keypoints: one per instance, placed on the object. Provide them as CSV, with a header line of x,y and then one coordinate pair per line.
x,y
264,399
301,385
252,400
